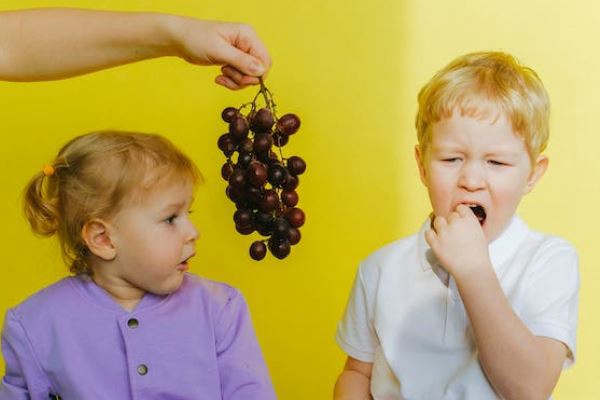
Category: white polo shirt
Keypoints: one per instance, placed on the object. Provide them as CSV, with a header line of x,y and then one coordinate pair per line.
x,y
405,314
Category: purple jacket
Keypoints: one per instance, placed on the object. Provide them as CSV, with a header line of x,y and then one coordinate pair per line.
x,y
71,339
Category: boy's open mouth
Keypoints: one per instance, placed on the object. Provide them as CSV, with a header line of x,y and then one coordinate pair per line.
x,y
479,212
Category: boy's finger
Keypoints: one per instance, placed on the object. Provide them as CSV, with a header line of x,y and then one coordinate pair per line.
x,y
439,223
464,210
430,237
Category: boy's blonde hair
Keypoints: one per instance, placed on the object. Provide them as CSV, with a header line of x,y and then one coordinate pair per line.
x,y
92,176
476,85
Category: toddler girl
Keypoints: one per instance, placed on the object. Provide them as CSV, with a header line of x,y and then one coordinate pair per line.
x,y
131,323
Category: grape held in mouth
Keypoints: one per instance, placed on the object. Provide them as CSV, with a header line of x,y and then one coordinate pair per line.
x,y
261,181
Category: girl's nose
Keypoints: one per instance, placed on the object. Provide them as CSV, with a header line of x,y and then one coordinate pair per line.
x,y
192,232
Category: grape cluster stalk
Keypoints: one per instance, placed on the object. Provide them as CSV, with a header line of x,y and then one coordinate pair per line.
x,y
260,180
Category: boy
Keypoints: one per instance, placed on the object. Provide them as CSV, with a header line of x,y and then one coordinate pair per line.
x,y
474,306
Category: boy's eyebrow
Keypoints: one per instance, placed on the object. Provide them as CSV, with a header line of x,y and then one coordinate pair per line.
x,y
500,151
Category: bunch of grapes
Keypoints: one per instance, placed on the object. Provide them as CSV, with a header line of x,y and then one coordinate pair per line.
x,y
261,182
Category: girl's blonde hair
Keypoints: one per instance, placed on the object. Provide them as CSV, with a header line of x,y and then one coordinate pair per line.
x,y
477,85
92,176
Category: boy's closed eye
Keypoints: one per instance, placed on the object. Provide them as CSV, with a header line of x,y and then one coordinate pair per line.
x,y
498,163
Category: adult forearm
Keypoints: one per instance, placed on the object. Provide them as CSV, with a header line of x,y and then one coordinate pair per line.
x,y
352,385
510,354
44,44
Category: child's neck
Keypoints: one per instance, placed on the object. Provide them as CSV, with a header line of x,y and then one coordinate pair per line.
x,y
126,295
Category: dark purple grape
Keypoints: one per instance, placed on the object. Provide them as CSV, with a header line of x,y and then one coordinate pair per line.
x,y
244,230
263,142
296,217
237,178
244,159
247,146
279,248
243,217
294,236
226,144
262,121
263,219
251,116
226,170
257,173
291,182
235,194
238,128
277,175
258,250
269,202
229,113
281,227
254,195
280,139
296,165
264,231
288,124
289,198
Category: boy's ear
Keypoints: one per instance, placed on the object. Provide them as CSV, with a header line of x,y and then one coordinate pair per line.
x,y
420,163
96,235
539,169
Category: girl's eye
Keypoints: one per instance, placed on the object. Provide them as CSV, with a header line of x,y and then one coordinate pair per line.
x,y
171,219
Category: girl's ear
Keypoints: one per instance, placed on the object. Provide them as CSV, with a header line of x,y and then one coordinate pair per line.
x,y
96,235
539,169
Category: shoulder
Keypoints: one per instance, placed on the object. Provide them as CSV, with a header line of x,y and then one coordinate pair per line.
x,y
390,257
216,294
47,299
546,254
541,246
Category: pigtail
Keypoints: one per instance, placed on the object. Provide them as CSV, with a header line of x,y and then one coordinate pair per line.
x,y
40,204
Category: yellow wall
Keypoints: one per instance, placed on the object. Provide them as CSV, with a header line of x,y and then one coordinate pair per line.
x,y
351,70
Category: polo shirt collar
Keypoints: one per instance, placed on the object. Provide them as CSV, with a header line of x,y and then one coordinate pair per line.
x,y
500,249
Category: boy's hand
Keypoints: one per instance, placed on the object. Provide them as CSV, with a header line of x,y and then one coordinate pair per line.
x,y
459,242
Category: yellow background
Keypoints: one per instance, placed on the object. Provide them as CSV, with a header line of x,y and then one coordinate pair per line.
x,y
351,71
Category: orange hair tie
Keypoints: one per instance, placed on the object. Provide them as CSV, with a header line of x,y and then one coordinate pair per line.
x,y
48,170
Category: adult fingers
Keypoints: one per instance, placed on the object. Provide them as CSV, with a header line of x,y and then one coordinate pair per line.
x,y
227,82
239,78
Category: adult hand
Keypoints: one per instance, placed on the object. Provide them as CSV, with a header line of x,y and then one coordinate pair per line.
x,y
235,46
58,43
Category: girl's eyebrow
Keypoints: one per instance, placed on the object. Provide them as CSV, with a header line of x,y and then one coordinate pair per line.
x,y
177,205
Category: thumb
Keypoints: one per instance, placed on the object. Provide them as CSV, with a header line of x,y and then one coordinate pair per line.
x,y
243,62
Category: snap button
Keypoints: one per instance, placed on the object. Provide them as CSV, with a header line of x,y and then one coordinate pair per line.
x,y
133,323
142,369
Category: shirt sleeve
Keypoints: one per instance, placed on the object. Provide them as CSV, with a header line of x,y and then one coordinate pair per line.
x,y
243,372
552,292
355,332
24,378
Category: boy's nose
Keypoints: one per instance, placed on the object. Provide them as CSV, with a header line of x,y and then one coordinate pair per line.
x,y
472,177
